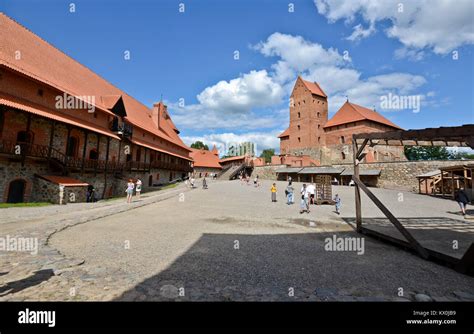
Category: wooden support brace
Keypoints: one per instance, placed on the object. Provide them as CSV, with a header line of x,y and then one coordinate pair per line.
x,y
421,251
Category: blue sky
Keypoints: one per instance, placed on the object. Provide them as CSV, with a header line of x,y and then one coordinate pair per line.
x,y
350,48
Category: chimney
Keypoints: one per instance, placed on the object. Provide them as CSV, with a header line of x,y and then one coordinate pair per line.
x,y
156,115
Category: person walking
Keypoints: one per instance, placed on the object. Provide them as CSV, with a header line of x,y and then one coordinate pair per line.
x,y
461,197
304,205
289,194
290,181
204,183
129,190
274,192
337,201
138,188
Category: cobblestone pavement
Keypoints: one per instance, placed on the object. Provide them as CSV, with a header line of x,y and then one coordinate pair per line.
x,y
229,242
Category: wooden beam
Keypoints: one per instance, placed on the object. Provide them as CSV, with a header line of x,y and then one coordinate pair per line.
x,y
361,148
356,188
84,150
416,246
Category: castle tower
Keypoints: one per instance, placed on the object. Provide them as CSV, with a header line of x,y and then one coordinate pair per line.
x,y
308,116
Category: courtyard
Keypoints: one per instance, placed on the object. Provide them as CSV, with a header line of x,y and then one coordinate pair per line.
x,y
226,243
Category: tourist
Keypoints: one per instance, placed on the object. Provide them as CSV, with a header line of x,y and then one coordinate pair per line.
x,y
274,192
311,190
129,190
192,181
289,194
337,201
304,206
461,197
204,183
290,181
138,188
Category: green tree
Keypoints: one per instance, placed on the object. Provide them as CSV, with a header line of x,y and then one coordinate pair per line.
x,y
427,153
199,144
462,155
267,154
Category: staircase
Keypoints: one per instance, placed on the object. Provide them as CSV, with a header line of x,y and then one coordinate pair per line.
x,y
232,172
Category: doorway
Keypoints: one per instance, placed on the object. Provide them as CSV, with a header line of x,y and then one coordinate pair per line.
x,y
16,191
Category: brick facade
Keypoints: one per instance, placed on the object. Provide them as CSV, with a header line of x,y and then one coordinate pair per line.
x,y
309,134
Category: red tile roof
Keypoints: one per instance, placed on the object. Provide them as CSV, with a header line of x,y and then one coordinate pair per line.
x,y
285,133
205,158
156,148
214,150
239,157
15,102
42,61
314,88
351,112
63,180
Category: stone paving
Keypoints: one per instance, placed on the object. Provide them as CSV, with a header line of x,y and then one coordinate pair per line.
x,y
225,243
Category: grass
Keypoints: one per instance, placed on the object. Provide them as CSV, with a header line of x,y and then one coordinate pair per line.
x,y
20,205
169,186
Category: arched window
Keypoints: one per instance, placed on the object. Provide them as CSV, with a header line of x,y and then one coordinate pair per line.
x,y
299,115
299,140
319,114
343,156
343,140
299,127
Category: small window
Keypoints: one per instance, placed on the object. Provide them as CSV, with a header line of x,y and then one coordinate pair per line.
x,y
299,140
319,139
93,155
40,92
343,156
299,115
343,140
319,114
299,127
319,126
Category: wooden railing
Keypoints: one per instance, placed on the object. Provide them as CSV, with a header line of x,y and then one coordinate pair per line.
x,y
22,150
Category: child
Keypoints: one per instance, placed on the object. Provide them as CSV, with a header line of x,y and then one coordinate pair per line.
x,y
138,188
129,190
337,199
274,192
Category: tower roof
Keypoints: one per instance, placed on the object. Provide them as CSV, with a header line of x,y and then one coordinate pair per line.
x,y
313,87
351,112
214,150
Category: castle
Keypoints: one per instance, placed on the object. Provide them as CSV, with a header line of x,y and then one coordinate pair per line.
x,y
329,141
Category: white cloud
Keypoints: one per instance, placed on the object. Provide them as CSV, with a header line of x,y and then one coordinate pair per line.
x,y
360,33
336,76
222,141
240,95
439,25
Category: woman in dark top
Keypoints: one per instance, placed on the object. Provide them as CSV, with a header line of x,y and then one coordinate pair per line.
x,y
461,197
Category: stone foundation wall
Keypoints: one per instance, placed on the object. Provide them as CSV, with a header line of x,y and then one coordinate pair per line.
x,y
402,174
394,175
267,172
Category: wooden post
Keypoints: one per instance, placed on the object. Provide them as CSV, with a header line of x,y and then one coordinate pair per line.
x,y
442,183
452,183
84,149
51,138
357,190
105,170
